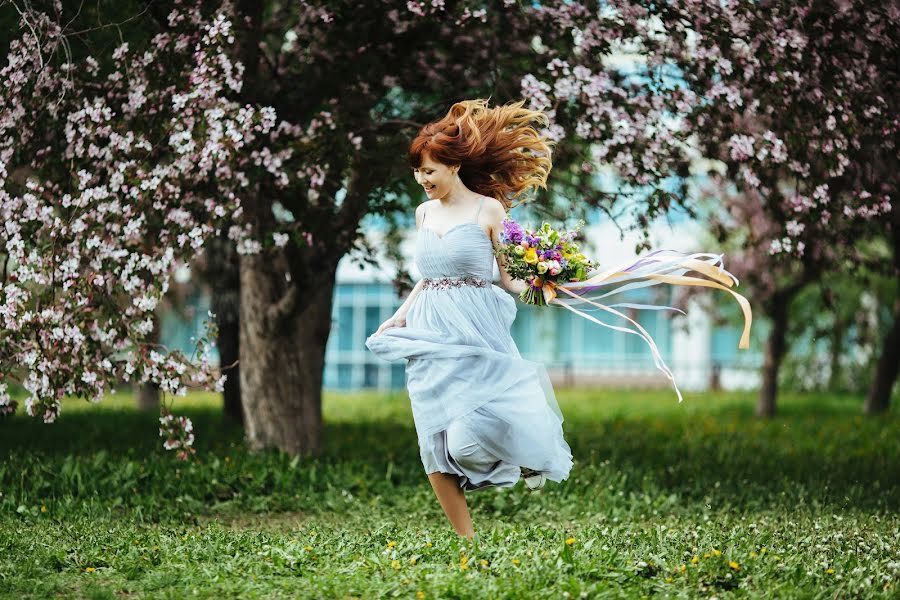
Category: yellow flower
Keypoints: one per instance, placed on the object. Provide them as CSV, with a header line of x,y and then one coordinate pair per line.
x,y
395,564
531,256
90,570
695,560
484,562
716,552
752,554
669,580
43,508
570,541
463,567
428,544
762,550
391,544
308,548
420,595
412,561
463,559
830,571
706,555
516,562
734,565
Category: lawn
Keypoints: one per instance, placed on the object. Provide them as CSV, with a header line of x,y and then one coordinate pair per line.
x,y
683,500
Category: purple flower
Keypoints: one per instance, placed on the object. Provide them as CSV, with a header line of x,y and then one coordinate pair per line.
x,y
512,232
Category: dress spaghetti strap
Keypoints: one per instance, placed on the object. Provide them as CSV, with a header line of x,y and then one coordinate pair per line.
x,y
477,212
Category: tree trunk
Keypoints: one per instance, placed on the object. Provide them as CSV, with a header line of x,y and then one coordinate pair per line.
x,y
223,274
283,335
837,347
878,399
148,396
775,350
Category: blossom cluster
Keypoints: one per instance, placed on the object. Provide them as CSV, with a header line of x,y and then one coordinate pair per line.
x,y
791,99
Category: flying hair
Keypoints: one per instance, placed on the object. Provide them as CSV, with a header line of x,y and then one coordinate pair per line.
x,y
500,152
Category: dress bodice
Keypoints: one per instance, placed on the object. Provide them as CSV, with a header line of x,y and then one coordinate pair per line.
x,y
463,250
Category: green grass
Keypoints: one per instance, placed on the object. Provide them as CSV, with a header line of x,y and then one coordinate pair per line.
x,y
805,505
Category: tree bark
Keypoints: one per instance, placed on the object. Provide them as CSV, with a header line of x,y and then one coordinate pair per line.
x,y
148,397
837,348
223,274
878,399
284,331
776,346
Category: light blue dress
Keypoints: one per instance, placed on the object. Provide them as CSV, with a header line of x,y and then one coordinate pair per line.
x,y
481,410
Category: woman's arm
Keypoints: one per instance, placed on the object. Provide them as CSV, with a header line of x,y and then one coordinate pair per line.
x,y
497,213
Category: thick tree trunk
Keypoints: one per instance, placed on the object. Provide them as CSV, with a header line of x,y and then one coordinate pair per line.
x,y
775,350
283,335
223,274
878,399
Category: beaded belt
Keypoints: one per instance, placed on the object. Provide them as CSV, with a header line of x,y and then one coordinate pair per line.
x,y
443,283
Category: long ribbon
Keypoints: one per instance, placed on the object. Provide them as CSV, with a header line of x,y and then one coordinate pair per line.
x,y
650,269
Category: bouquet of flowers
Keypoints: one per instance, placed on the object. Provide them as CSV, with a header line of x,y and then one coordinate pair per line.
x,y
559,275
542,258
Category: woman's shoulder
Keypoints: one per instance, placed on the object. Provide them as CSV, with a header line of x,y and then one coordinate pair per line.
x,y
493,206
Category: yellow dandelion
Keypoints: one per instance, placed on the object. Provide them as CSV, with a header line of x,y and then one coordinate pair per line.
x,y
762,550
734,565
484,562
391,544
428,544
753,554
420,595
463,559
669,580
695,560
716,552
463,567
395,564
706,555
830,571
570,541
682,568
90,570
308,548
412,561
43,508
516,562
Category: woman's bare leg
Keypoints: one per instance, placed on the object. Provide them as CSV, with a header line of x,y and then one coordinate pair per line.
x,y
453,501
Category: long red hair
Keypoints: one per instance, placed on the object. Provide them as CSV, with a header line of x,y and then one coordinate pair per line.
x,y
500,152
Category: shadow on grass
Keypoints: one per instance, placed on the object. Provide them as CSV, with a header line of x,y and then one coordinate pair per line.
x,y
834,459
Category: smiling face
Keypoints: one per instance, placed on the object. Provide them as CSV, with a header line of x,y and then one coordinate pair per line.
x,y
436,178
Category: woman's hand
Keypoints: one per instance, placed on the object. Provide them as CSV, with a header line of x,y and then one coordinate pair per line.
x,y
394,321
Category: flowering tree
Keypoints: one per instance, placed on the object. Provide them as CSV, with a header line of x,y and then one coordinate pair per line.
x,y
796,100
132,166
281,126
107,181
